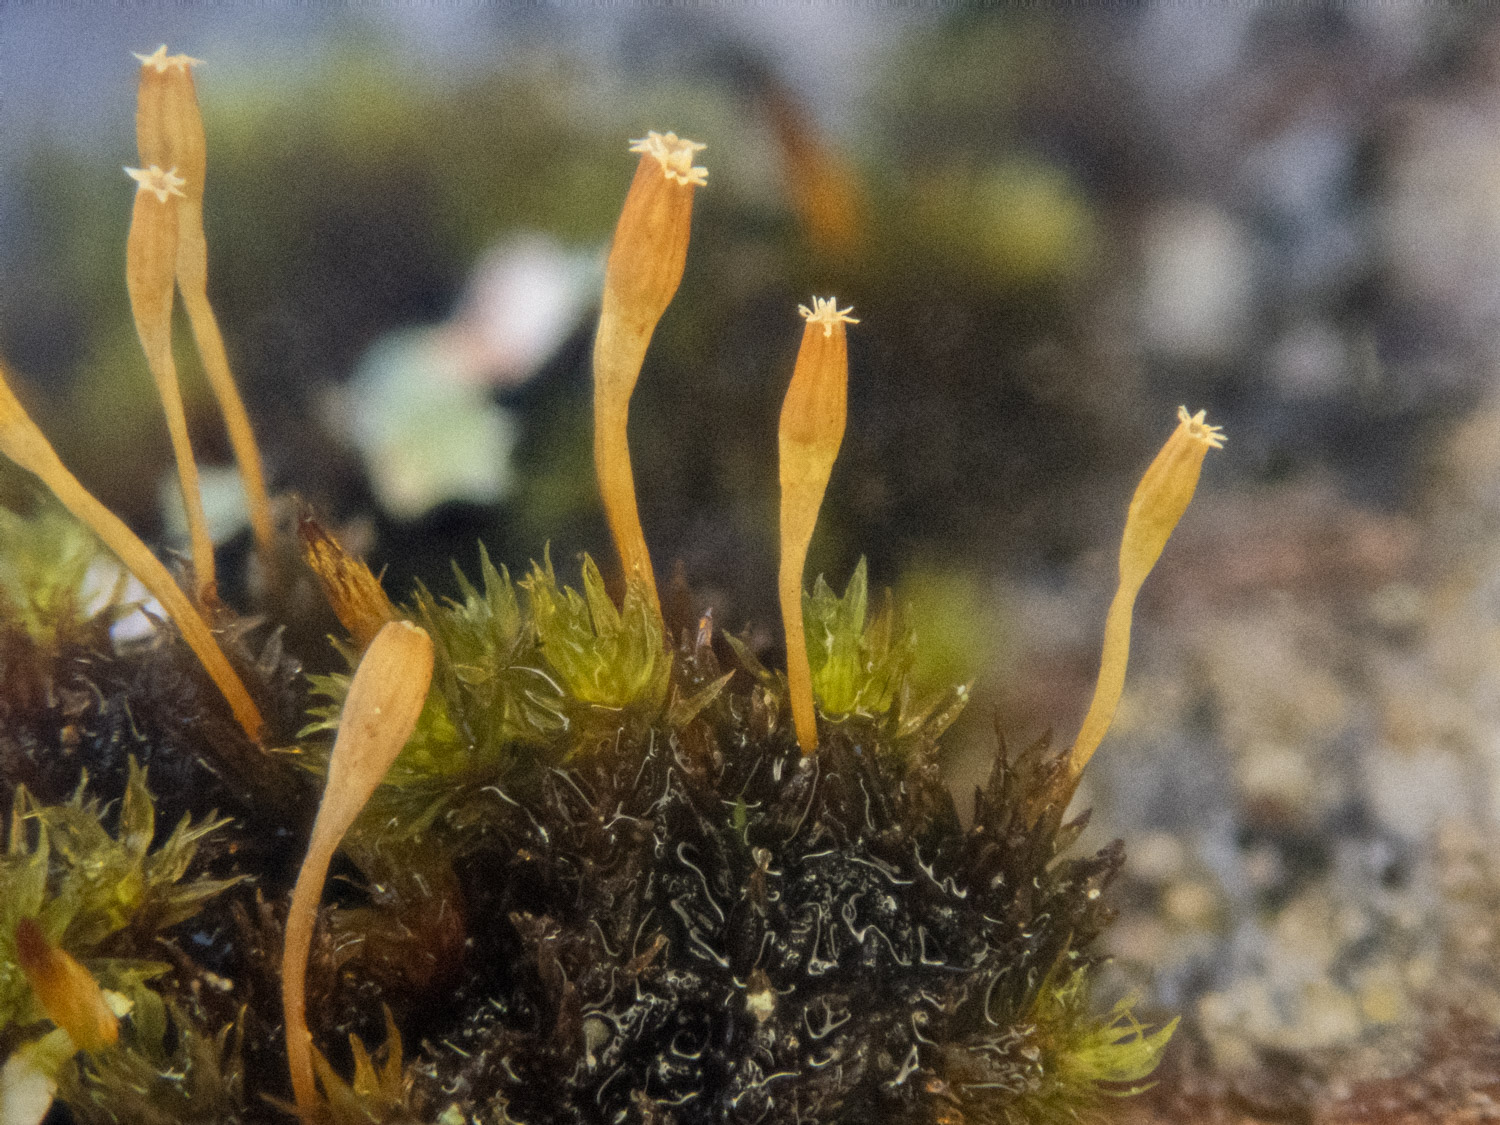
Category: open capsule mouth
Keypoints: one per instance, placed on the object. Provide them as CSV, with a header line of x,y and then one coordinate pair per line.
x,y
676,156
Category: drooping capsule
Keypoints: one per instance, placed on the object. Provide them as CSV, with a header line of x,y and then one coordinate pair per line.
x,y
385,699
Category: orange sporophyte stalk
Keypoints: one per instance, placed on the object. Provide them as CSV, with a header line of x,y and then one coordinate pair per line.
x,y
1159,502
24,443
811,430
150,276
385,699
68,992
169,133
646,260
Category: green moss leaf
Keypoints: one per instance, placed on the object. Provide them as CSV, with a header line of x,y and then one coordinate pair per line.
x,y
167,1070
862,663
84,885
1088,1055
603,656
45,586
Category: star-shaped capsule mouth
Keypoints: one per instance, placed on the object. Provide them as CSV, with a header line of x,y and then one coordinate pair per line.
x,y
675,155
1199,429
161,62
159,183
826,311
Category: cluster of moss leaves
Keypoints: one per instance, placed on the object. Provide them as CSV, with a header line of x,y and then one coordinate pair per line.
x,y
47,564
523,678
862,664
104,897
603,883
650,866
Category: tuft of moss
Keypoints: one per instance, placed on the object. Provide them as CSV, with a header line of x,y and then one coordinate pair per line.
x,y
46,563
169,1069
688,915
105,897
100,896
607,881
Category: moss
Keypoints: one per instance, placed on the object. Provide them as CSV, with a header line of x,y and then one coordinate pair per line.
x,y
684,916
168,1070
603,881
104,898
46,562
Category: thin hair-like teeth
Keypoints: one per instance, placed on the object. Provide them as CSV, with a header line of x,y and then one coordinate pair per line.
x,y
162,62
1199,429
826,311
161,184
675,154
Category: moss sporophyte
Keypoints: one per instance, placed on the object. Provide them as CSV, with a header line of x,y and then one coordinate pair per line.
x,y
597,864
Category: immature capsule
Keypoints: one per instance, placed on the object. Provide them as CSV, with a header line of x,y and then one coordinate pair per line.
x,y
811,431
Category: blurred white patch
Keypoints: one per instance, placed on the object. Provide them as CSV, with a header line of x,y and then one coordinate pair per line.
x,y
522,300
419,406
427,435
1413,793
99,586
28,1080
223,503
25,1092
1197,278
1440,223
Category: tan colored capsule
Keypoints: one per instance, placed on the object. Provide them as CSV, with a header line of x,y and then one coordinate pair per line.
x,y
646,260
1159,502
169,133
150,277
384,702
24,443
68,992
811,431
